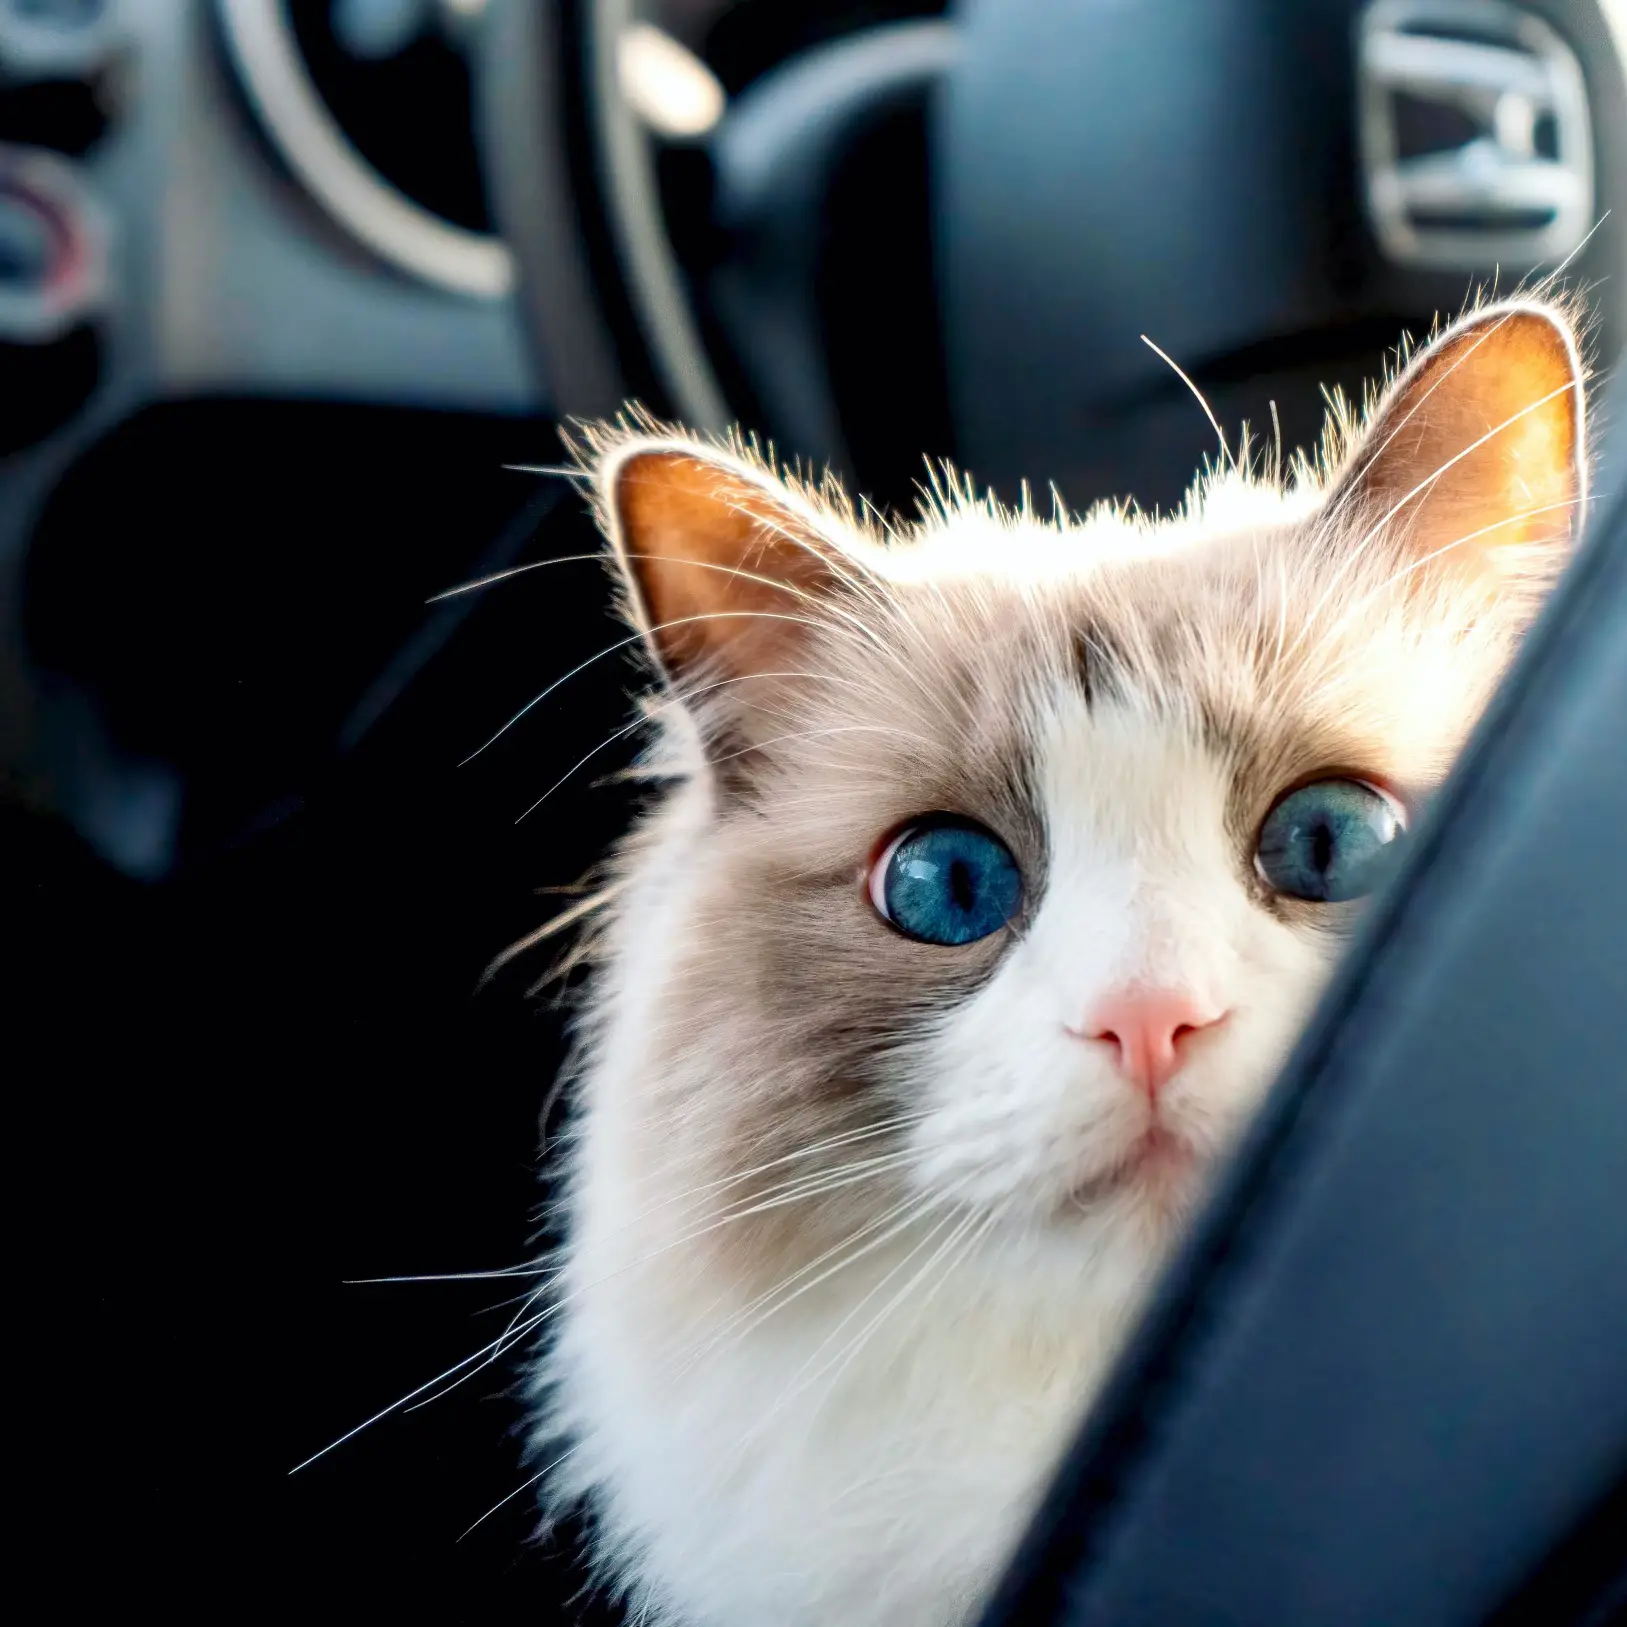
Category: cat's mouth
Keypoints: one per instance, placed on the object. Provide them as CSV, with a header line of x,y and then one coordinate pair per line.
x,y
1160,1164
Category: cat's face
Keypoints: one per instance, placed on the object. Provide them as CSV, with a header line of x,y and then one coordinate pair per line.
x,y
1010,856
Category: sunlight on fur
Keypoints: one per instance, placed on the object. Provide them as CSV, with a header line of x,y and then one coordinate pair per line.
x,y
993,863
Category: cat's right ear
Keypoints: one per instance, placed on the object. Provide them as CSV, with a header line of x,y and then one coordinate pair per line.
x,y
725,567
1474,460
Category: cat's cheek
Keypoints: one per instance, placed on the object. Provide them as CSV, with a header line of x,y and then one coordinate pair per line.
x,y
1005,1122
1287,963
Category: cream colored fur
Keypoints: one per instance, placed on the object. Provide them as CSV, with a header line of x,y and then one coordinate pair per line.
x,y
851,1233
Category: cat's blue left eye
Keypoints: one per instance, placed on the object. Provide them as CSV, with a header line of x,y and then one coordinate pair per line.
x,y
1329,841
947,881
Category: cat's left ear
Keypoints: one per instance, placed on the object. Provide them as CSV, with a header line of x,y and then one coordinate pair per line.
x,y
1475,455
726,567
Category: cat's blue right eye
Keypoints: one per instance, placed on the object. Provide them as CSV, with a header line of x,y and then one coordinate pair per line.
x,y
1329,841
946,881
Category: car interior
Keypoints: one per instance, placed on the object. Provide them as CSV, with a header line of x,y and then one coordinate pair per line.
x,y
295,298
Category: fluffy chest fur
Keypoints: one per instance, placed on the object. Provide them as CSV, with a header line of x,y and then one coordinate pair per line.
x,y
997,865
851,1430
866,1455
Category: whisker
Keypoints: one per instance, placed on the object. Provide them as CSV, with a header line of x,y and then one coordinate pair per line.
x,y
563,471
815,734
1445,374
795,1386
513,570
639,722
782,739
955,1246
503,1502
1423,485
795,1191
620,734
970,1229
745,1211
562,921
1549,279
960,1242
791,1192
842,1139
789,589
498,1274
862,585
622,644
519,1325
1495,328
1457,542
880,1231
397,1405
1176,369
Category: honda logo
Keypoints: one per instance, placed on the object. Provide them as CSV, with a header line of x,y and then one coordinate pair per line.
x,y
1476,146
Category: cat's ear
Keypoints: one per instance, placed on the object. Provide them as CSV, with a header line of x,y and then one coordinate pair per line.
x,y
725,566
1474,456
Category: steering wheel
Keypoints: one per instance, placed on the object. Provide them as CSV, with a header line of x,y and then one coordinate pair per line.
x,y
949,236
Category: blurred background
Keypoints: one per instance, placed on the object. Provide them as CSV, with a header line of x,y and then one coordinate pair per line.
x,y
294,295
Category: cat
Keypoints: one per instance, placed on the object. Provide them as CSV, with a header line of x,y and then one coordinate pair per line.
x,y
995,865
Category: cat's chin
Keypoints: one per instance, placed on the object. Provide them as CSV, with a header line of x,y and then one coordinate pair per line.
x,y
1161,1170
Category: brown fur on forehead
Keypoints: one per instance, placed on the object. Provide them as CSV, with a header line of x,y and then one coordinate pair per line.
x,y
802,993
1284,649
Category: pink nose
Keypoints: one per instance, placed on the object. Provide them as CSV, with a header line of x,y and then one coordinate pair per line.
x,y
1148,1028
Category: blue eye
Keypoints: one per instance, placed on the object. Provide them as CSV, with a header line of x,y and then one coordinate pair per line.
x,y
947,881
1328,842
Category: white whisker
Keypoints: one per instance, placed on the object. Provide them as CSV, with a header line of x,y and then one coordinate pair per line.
x,y
796,1384
1208,412
397,1405
874,1234
1423,485
513,570
525,1486
1438,553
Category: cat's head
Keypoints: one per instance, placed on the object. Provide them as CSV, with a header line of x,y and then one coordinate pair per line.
x,y
1008,854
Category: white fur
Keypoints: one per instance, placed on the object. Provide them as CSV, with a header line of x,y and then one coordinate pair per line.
x,y
1141,891
856,1460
